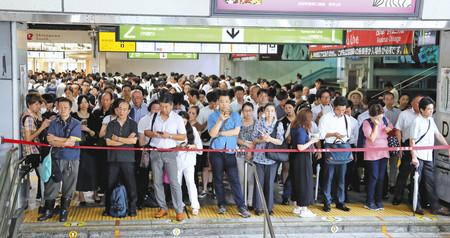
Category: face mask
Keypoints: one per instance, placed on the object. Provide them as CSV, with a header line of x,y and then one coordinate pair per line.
x,y
43,110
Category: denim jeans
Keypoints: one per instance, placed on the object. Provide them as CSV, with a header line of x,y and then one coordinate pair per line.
x,y
330,170
223,162
376,170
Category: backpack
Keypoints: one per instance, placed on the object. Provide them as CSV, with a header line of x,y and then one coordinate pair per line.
x,y
361,137
392,140
119,202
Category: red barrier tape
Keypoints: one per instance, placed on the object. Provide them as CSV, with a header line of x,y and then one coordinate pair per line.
x,y
438,147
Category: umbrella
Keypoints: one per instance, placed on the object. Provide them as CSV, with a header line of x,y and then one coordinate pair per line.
x,y
416,190
317,180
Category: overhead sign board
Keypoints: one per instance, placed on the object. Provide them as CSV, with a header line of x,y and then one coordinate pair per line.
x,y
46,54
250,35
363,51
205,48
107,43
396,8
172,56
367,42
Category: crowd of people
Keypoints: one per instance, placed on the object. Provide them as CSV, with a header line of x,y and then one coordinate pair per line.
x,y
223,113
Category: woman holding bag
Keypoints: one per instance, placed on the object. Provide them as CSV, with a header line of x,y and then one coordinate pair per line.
x,y
267,130
376,130
301,168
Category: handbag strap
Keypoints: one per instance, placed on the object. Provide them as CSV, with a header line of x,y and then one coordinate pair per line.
x,y
429,124
151,128
275,130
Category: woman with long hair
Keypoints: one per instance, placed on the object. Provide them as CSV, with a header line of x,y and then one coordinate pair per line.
x,y
186,161
300,170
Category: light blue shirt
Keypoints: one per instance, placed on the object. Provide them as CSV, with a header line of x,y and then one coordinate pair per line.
x,y
138,112
224,142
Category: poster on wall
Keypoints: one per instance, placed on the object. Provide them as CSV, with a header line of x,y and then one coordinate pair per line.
x,y
367,43
288,52
394,8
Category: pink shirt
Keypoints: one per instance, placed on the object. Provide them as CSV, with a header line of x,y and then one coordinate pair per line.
x,y
380,141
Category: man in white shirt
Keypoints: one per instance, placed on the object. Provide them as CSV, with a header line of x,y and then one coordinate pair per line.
x,y
334,126
142,178
239,100
403,133
193,98
317,86
167,130
202,119
324,97
423,133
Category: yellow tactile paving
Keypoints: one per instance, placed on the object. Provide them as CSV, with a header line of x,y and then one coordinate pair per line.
x,y
85,214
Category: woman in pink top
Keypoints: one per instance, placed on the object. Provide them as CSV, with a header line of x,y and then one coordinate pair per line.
x,y
376,130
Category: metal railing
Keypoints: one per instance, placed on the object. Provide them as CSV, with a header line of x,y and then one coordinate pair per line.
x,y
10,185
415,78
267,221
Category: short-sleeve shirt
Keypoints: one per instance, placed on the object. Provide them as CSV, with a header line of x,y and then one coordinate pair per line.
x,y
262,126
65,129
380,141
224,142
114,128
145,124
404,122
29,124
392,115
418,129
299,136
174,124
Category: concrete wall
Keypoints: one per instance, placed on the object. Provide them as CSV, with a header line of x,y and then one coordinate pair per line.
x,y
281,71
207,63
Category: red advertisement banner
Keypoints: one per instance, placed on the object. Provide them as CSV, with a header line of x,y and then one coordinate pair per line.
x,y
364,38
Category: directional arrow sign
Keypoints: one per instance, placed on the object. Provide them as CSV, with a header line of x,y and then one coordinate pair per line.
x,y
229,34
233,34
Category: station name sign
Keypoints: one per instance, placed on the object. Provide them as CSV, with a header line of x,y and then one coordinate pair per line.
x,y
248,35
367,42
170,56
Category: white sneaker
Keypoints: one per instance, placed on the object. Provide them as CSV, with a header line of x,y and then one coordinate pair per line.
x,y
195,212
297,210
307,213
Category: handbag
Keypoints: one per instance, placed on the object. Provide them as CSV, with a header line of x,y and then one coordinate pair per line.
x,y
339,156
45,168
340,144
278,156
145,157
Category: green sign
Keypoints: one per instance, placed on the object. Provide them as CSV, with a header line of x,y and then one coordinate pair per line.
x,y
173,56
251,35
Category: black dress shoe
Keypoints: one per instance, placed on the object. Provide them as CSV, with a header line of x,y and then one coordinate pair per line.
x,y
396,202
420,211
258,212
105,213
132,214
326,208
342,207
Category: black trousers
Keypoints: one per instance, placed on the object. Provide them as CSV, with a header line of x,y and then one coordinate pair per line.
x,y
142,178
122,171
403,173
426,175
